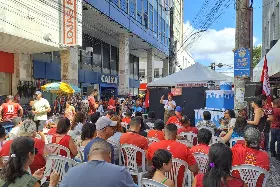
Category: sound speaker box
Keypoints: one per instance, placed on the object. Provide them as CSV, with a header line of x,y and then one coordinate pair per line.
x,y
252,90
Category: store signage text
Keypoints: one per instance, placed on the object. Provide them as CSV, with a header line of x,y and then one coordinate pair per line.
x,y
109,79
70,21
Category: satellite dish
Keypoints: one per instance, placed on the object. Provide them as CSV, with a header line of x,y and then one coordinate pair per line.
x,y
48,37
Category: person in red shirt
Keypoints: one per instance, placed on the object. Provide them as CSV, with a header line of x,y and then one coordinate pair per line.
x,y
275,129
28,128
9,110
177,149
250,153
157,131
132,137
204,137
186,126
177,118
92,103
112,101
127,117
218,172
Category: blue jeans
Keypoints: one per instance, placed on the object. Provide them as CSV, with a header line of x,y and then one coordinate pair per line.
x,y
275,136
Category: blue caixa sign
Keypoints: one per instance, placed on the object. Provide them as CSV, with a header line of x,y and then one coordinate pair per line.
x,y
242,62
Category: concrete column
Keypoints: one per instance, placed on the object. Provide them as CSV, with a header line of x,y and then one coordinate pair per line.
x,y
124,65
165,69
22,70
150,66
69,66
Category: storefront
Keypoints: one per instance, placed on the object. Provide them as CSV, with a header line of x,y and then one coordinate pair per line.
x,y
6,71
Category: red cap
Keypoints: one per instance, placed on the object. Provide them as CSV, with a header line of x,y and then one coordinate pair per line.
x,y
170,94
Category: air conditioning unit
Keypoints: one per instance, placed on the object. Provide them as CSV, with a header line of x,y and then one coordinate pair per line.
x,y
89,49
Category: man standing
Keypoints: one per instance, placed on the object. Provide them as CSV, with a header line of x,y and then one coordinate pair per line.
x,y
98,171
41,107
104,128
10,110
92,104
169,106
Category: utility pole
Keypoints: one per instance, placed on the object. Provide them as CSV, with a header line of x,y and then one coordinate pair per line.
x,y
243,38
172,49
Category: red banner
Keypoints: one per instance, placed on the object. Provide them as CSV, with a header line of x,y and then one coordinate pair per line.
x,y
176,91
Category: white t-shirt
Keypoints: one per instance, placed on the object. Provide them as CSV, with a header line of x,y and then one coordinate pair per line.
x,y
167,106
13,133
41,105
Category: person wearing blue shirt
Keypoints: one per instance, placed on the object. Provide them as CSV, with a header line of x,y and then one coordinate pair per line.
x,y
104,128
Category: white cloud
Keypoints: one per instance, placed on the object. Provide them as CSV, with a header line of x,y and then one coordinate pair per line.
x,y
214,46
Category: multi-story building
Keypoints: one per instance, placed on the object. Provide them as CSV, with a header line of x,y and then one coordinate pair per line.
x,y
116,34
27,29
270,25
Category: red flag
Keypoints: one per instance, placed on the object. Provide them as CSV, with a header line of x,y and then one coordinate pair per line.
x,y
147,100
266,86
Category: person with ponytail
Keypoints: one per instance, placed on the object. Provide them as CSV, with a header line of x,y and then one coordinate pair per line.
x,y
15,171
219,170
162,162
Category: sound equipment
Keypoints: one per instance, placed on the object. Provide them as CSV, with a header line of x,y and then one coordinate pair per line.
x,y
252,90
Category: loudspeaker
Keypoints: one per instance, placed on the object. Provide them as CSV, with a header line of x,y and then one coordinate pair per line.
x,y
252,89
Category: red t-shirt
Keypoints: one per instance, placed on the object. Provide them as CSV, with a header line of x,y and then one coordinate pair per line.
x,y
235,182
276,118
188,129
200,148
137,140
175,120
52,131
126,120
64,141
241,154
155,134
112,102
178,150
10,110
39,160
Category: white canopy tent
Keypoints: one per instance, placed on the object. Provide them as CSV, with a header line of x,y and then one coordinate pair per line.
x,y
197,73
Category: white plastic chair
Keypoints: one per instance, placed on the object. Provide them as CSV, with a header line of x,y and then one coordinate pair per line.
x,y
173,174
202,161
57,163
216,139
56,148
128,154
151,183
189,136
233,141
116,146
150,125
81,152
152,140
250,174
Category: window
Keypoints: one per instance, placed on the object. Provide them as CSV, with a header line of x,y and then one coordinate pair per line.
x,y
114,56
139,10
167,33
151,10
116,2
142,73
156,19
106,55
156,73
145,8
131,68
96,55
124,5
132,8
162,30
136,67
159,20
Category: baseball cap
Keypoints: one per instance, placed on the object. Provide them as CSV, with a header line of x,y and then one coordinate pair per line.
x,y
178,109
103,122
38,93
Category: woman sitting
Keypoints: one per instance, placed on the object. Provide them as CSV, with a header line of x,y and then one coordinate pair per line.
x,y
237,131
162,163
15,172
88,133
219,171
76,127
28,129
63,139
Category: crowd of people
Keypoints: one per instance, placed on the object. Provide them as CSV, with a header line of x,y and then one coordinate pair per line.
x,y
95,138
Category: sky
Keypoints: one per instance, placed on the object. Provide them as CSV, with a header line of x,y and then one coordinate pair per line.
x,y
217,43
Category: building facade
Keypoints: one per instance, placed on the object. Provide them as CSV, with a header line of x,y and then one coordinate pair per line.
x,y
270,25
